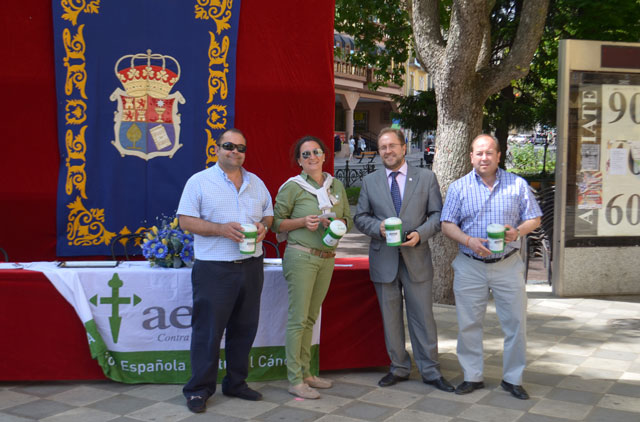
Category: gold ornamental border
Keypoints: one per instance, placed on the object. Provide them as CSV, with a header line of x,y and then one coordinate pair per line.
x,y
86,227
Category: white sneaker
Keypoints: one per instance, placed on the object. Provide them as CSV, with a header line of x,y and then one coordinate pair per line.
x,y
304,391
317,382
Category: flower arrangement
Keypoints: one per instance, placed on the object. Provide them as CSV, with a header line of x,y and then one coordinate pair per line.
x,y
169,246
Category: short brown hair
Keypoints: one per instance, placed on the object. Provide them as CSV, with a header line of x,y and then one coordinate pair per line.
x,y
486,135
396,132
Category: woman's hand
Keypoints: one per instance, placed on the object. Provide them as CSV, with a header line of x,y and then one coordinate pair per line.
x,y
311,222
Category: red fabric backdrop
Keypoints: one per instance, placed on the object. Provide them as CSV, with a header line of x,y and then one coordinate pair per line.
x,y
284,90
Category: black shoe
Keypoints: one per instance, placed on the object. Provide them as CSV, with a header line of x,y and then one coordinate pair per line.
x,y
516,391
245,393
197,404
469,387
440,384
390,379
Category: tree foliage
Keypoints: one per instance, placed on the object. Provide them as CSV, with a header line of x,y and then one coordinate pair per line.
x,y
417,112
382,36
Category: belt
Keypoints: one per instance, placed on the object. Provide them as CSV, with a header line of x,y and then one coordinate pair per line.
x,y
492,260
316,252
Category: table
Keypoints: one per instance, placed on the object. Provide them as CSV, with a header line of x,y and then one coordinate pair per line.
x,y
43,339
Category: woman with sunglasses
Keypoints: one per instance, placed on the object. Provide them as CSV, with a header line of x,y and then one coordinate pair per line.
x,y
305,206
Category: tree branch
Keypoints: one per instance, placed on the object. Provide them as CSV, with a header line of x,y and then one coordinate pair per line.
x,y
518,60
427,34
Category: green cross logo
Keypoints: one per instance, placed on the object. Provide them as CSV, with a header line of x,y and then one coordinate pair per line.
x,y
115,301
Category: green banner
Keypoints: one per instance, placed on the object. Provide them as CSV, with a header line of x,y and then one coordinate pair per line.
x,y
174,367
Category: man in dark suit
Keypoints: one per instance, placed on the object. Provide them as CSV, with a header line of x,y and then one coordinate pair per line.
x,y
413,195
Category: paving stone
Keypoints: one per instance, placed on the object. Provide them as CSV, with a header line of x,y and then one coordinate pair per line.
x,y
607,364
615,354
289,414
161,412
565,358
574,396
82,396
336,418
440,406
81,414
326,403
409,415
531,417
552,367
348,390
238,407
39,409
10,398
561,409
600,414
274,394
123,404
482,413
46,389
211,416
618,402
157,392
581,384
391,398
366,411
5,417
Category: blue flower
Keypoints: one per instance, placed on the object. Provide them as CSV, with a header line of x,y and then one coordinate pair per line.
x,y
187,254
160,250
148,248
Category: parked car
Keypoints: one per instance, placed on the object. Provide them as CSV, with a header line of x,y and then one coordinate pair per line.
x,y
540,139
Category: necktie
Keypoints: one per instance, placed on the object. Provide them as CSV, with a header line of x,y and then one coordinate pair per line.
x,y
395,192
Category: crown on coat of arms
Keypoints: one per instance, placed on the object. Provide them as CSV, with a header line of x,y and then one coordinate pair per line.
x,y
153,79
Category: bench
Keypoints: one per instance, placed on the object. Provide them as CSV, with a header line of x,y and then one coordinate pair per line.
x,y
367,154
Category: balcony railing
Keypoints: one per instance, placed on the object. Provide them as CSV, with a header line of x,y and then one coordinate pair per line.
x,y
347,70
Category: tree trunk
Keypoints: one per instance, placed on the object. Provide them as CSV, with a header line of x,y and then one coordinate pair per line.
x,y
457,125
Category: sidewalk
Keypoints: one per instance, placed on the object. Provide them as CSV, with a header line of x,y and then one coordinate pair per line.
x,y
583,365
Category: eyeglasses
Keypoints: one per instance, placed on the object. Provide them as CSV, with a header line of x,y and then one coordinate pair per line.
x,y
389,147
318,152
230,146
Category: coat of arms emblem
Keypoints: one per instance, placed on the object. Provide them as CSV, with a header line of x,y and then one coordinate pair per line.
x,y
147,123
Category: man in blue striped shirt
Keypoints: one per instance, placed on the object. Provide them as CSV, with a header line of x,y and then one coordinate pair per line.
x,y
489,195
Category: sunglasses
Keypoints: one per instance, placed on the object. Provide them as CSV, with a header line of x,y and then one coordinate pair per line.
x,y
318,152
230,146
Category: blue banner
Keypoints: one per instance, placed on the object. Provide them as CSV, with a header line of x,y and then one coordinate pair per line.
x,y
144,88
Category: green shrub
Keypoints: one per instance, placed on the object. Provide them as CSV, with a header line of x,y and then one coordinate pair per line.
x,y
526,160
353,193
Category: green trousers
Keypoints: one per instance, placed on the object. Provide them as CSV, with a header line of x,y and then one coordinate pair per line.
x,y
308,278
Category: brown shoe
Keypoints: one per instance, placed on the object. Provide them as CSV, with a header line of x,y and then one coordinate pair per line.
x,y
317,382
302,390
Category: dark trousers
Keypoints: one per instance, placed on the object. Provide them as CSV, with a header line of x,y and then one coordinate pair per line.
x,y
226,295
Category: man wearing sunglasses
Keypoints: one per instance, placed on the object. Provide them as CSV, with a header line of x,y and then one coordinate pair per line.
x,y
403,274
226,284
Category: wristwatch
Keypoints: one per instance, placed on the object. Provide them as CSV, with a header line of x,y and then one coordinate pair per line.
x,y
518,234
